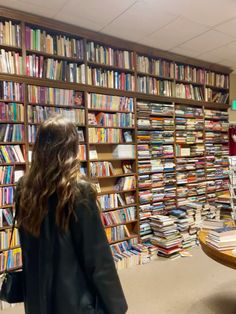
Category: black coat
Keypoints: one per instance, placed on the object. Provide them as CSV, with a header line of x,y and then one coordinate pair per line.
x,y
69,272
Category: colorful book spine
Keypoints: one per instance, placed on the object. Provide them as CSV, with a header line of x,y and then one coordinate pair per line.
x,y
41,40
151,85
11,112
10,34
12,132
6,196
119,216
111,79
103,135
5,237
38,114
11,91
54,96
6,175
11,154
189,91
14,260
117,233
113,103
40,67
157,67
11,62
189,73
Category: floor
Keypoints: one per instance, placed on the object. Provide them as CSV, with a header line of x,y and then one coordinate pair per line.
x,y
191,285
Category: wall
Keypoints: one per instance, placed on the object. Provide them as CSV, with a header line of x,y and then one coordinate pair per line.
x,y
232,113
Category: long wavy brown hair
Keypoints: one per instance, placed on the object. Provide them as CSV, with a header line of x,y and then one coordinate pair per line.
x,y
55,168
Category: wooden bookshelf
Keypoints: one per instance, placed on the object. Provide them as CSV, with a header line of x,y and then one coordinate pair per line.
x,y
137,64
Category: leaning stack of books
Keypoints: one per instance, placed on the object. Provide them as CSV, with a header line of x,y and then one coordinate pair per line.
x,y
222,238
166,236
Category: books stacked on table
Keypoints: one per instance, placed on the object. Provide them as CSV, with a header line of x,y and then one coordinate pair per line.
x,y
212,224
222,238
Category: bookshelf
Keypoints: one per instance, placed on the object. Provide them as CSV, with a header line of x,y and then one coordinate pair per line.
x,y
129,103
112,162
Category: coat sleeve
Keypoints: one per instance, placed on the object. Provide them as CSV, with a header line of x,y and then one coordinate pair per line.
x,y
93,248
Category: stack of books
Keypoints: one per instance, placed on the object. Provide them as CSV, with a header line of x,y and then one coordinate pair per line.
x,y
166,236
222,238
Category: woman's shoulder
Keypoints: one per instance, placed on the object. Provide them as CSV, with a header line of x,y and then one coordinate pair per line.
x,y
86,190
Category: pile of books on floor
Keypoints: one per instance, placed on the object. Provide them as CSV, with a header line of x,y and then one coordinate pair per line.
x,y
127,254
166,236
222,238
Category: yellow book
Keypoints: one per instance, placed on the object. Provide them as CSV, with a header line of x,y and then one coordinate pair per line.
x,y
5,154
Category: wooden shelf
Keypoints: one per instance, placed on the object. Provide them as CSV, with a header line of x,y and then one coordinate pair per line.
x,y
39,123
54,56
54,105
153,129
114,176
11,101
132,143
154,172
9,184
12,269
159,77
12,164
194,170
119,207
12,143
7,206
189,82
189,117
10,47
113,159
216,131
154,142
6,228
11,122
108,110
111,127
121,224
217,88
109,67
8,249
124,239
116,192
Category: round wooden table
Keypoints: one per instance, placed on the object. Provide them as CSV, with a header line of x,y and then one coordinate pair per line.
x,y
226,258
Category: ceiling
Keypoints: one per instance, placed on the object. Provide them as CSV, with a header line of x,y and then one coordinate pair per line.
x,y
203,29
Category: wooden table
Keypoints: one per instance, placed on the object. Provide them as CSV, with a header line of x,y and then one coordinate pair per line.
x,y
226,258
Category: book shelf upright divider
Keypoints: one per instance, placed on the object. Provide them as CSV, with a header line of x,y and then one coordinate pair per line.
x,y
175,157
136,167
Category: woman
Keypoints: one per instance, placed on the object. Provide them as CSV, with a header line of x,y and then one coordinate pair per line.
x,y
67,262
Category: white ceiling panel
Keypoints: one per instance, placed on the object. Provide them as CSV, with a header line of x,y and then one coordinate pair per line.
x,y
50,4
78,21
207,12
157,43
139,21
177,32
182,50
101,12
228,63
36,8
226,52
208,41
228,28
210,57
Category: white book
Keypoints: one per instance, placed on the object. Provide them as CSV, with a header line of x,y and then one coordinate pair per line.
x,y
18,153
